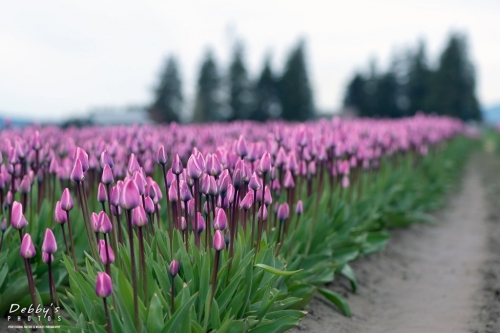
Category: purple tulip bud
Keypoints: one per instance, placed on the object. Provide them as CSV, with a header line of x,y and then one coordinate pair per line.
x,y
299,209
77,172
273,173
345,181
237,178
25,186
139,218
130,196
247,201
102,196
218,242
105,225
107,175
172,192
36,142
17,219
66,200
8,199
183,223
83,157
60,215
283,212
140,182
281,158
53,167
27,247
161,156
241,147
114,198
177,167
170,177
103,254
173,269
149,205
292,163
265,163
230,193
262,212
106,160
193,168
133,165
220,221
185,194
213,190
116,210
190,207
255,183
94,221
103,285
288,182
3,226
201,223
47,257
49,244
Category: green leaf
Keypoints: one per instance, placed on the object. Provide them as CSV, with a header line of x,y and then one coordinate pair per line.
x,y
276,271
339,301
155,315
351,276
277,326
174,323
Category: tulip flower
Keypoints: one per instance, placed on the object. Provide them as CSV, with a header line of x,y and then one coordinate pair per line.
x,y
17,219
103,289
28,251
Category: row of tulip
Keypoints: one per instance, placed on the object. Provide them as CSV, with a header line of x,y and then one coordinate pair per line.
x,y
221,227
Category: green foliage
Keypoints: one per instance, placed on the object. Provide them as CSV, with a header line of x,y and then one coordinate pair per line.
x,y
167,105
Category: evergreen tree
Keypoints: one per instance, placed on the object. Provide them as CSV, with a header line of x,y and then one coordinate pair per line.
x,y
241,98
417,87
208,100
355,96
267,99
386,96
295,92
168,102
453,83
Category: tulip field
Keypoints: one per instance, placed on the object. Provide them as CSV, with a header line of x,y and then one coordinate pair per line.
x,y
224,227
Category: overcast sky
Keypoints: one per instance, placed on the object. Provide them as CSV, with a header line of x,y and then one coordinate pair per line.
x,y
60,58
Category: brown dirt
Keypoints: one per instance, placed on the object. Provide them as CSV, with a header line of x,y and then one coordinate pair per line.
x,y
443,277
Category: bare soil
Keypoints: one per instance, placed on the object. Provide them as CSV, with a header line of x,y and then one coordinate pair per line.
x,y
442,277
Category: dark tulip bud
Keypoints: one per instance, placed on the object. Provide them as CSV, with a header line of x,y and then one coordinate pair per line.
x,y
102,196
161,155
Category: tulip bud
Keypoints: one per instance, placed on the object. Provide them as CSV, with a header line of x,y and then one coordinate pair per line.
x,y
193,168
103,285
241,147
105,225
3,226
49,244
149,206
103,254
177,167
133,165
139,218
60,215
77,172
345,181
101,193
170,177
106,160
224,182
107,175
220,221
130,197
283,212
230,193
185,194
281,158
173,269
172,192
288,182
218,242
25,186
116,210
265,163
94,221
83,157
27,247
262,212
255,183
201,223
299,209
247,201
237,178
17,219
36,143
183,223
213,190
47,257
161,156
66,200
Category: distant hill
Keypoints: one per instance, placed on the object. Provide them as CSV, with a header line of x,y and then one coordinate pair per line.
x,y
492,114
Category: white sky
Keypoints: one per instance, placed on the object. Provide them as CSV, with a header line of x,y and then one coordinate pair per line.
x,y
59,58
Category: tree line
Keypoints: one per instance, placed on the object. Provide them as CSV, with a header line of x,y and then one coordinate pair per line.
x,y
232,94
412,85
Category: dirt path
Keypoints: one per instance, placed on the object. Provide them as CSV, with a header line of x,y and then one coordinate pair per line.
x,y
430,278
